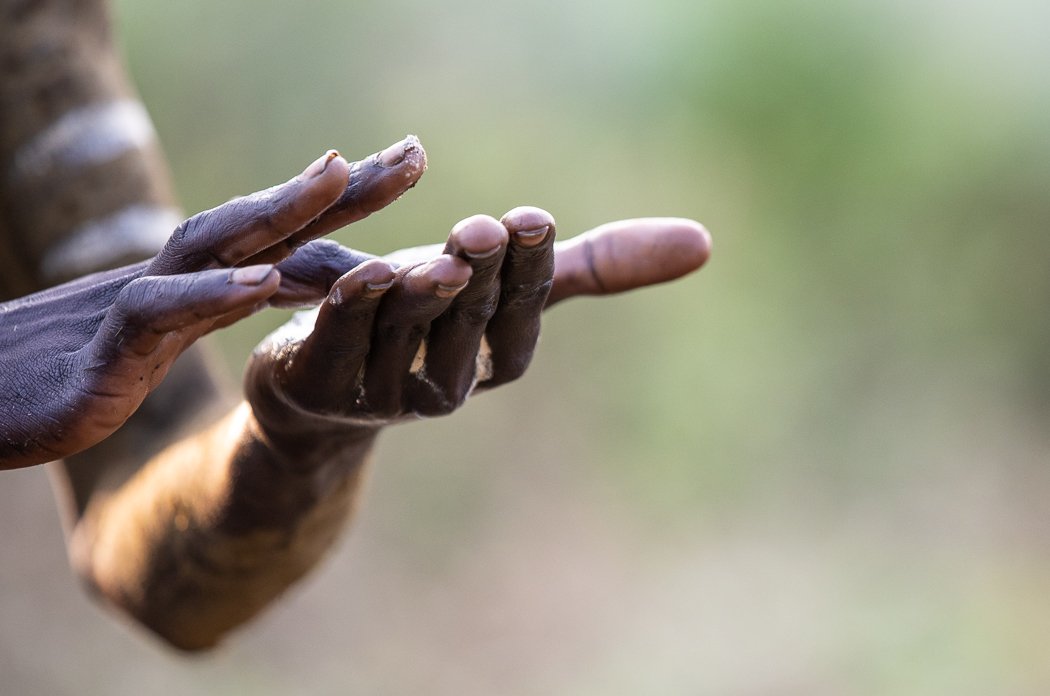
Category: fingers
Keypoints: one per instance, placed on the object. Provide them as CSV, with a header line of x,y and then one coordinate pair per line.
x,y
418,296
309,274
326,370
266,227
374,183
526,281
389,343
253,226
455,336
628,254
148,309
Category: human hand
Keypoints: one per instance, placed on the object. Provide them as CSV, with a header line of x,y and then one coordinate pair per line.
x,y
78,359
395,343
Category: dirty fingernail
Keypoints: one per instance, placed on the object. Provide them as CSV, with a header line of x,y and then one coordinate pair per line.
x,y
396,153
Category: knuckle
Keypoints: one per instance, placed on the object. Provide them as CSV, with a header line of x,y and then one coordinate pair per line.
x,y
472,314
133,300
187,230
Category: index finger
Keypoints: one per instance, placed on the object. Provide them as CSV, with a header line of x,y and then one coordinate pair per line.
x,y
374,182
628,254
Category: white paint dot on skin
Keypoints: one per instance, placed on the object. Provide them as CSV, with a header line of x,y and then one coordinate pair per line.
x,y
137,230
91,135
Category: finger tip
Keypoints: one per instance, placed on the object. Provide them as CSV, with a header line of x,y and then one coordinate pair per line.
x,y
324,180
369,280
478,236
378,180
449,274
406,157
375,275
526,216
409,150
528,225
690,241
337,171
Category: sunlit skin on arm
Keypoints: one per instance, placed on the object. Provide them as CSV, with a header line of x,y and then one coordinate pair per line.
x,y
278,478
187,510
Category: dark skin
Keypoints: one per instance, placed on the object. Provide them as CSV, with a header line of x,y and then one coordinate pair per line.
x,y
193,517
81,357
197,538
100,344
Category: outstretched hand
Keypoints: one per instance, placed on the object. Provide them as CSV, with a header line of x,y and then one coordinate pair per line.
x,y
414,334
77,360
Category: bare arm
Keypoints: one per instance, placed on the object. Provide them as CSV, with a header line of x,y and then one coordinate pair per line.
x,y
192,520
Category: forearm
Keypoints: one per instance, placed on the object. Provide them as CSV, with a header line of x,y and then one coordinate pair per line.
x,y
214,528
191,538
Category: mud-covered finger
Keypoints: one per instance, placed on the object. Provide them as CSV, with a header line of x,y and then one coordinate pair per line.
x,y
373,183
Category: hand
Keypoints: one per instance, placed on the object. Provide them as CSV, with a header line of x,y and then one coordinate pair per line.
x,y
77,360
394,343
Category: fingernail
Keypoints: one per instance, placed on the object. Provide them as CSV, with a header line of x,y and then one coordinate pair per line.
x,y
251,275
374,290
448,290
533,237
482,254
395,154
318,166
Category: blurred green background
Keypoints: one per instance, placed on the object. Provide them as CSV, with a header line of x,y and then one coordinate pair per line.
x,y
819,466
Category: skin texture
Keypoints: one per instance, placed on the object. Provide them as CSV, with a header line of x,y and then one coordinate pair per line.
x,y
80,358
200,510
279,477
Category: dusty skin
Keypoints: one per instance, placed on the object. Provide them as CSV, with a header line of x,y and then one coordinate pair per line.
x,y
410,335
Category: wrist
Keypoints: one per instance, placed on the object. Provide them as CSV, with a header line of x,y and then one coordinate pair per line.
x,y
303,440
